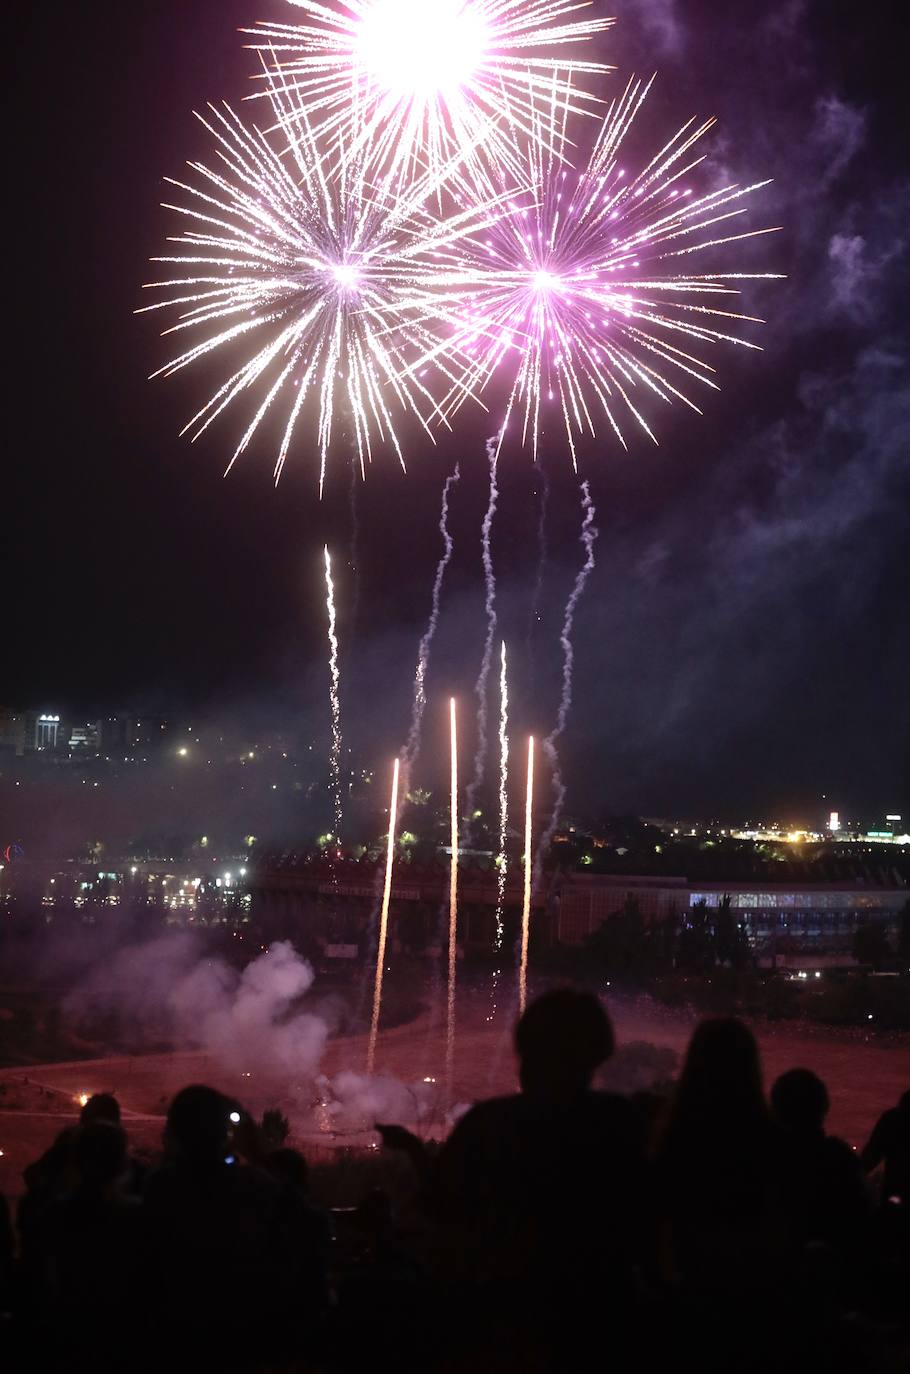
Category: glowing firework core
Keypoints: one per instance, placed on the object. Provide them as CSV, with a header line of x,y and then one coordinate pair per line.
x,y
346,276
545,281
416,50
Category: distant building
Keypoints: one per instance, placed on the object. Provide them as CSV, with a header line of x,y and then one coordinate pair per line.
x,y
116,735
820,913
12,731
45,732
86,739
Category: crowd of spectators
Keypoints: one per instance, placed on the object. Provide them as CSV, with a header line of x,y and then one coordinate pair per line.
x,y
557,1230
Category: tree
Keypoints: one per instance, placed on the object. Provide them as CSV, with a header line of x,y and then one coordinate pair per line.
x,y
619,942
870,944
731,944
695,945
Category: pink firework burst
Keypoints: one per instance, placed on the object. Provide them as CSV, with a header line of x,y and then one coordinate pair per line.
x,y
587,297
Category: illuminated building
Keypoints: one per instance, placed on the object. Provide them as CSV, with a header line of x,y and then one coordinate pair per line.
x,y
86,739
45,732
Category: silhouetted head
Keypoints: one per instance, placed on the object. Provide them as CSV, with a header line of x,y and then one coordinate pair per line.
x,y
99,1153
374,1212
101,1107
800,1100
289,1166
720,1085
561,1039
199,1124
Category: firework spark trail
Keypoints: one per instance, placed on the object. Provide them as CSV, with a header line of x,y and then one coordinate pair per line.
x,y
501,859
483,677
534,613
334,696
411,84
384,920
453,910
412,748
582,298
526,902
589,534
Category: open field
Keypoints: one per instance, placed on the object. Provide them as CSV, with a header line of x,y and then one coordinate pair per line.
x,y
864,1076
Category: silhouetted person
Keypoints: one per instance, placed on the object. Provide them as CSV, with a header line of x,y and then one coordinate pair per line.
x,y
889,1144
309,1232
720,1163
538,1196
51,1175
222,1268
91,1247
7,1258
823,1183
101,1107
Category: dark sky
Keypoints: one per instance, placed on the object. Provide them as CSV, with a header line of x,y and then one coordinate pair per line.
x,y
743,643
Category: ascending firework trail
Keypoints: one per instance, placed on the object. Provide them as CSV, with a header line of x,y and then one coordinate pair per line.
x,y
383,921
526,895
589,533
334,696
412,748
453,909
480,688
501,857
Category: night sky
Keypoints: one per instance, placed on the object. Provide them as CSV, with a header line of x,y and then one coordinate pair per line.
x,y
743,645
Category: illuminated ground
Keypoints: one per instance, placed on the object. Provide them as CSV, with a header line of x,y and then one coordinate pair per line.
x,y
864,1076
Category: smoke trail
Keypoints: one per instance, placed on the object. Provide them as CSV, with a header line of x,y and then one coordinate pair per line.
x,y
383,921
589,534
412,748
480,687
334,698
501,860
526,902
542,553
453,911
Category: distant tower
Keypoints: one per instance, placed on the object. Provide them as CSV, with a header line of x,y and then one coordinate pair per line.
x,y
834,822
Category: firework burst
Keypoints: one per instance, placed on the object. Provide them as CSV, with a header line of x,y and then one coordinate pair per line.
x,y
413,83
582,299
307,279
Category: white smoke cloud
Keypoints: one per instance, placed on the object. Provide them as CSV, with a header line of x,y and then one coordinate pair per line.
x,y
249,1022
244,1020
